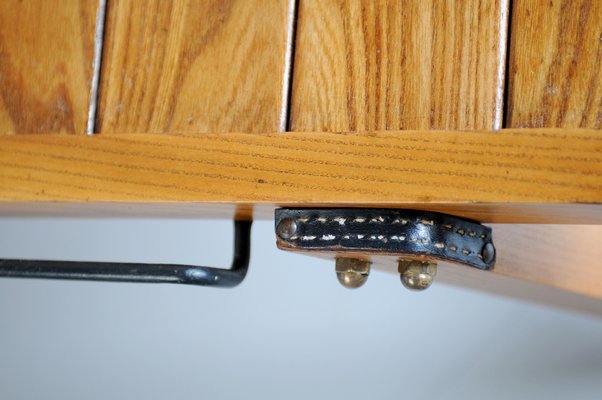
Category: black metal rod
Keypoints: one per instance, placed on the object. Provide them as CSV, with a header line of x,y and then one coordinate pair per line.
x,y
140,272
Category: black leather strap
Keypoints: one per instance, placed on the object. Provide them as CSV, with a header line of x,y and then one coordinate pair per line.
x,y
387,231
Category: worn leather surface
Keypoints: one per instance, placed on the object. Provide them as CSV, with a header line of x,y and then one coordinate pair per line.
x,y
389,231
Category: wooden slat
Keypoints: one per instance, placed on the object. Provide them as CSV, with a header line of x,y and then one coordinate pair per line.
x,y
193,66
385,65
46,53
504,177
556,64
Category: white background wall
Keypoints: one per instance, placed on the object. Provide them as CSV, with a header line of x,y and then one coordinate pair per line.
x,y
290,331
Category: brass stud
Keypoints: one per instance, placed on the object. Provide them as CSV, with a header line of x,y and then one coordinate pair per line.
x,y
352,272
417,275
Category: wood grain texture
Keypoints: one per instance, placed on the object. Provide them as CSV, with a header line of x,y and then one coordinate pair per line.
x,y
192,66
512,170
555,66
385,65
46,53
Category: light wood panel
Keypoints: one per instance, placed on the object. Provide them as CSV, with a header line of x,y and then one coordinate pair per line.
x,y
366,65
557,265
193,66
524,289
565,257
555,66
46,53
504,177
525,213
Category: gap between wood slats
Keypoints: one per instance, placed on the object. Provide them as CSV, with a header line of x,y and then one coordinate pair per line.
x,y
96,65
502,69
287,79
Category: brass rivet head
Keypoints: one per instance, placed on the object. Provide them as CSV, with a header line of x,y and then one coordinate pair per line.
x,y
488,253
417,275
286,228
351,272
